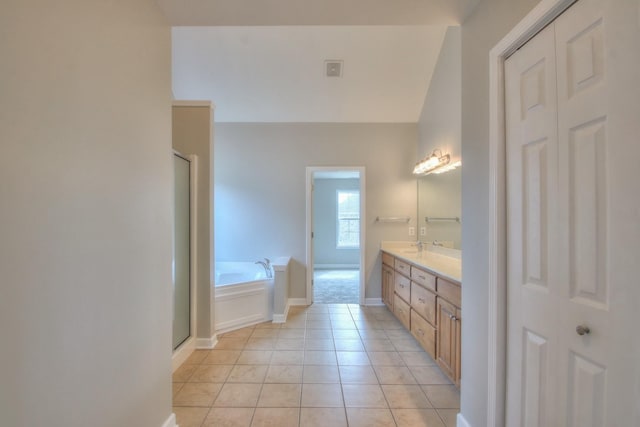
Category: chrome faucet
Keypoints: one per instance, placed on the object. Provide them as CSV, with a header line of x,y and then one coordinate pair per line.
x,y
436,243
266,264
419,245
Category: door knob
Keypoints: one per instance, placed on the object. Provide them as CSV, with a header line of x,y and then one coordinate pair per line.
x,y
582,330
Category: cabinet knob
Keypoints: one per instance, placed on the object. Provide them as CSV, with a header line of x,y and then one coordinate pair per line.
x,y
582,330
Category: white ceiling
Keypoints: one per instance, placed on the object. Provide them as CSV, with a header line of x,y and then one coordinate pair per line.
x,y
277,74
263,61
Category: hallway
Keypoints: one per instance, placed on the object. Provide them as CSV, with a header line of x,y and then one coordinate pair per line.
x,y
336,286
329,364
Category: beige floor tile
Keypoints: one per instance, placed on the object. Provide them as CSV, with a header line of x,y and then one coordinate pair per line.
x,y
284,374
265,333
175,388
319,344
449,416
346,334
417,358
341,325
322,396
374,334
394,375
280,396
428,375
197,394
290,343
348,345
323,417
398,334
268,325
340,317
443,396
366,417
276,417
320,374
183,373
369,324
291,333
363,396
405,396
318,334
417,418
239,333
406,344
196,357
320,357
231,344
260,343
287,357
221,357
229,417
378,344
248,374
255,357
211,374
358,375
359,358
386,358
238,395
317,316
296,323
190,417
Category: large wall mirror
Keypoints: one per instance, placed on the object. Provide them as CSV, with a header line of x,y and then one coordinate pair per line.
x,y
440,207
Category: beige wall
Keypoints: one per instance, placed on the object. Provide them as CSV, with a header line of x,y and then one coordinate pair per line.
x,y
260,188
192,134
85,214
491,21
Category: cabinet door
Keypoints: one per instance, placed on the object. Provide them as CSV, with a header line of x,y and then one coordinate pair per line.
x,y
387,286
423,302
447,341
402,287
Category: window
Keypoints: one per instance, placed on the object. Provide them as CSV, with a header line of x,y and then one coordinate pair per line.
x,y
348,218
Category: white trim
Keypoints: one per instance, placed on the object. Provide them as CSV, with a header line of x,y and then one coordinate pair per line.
x,y
373,301
310,170
171,421
182,353
193,104
539,17
206,343
240,322
282,318
297,301
461,421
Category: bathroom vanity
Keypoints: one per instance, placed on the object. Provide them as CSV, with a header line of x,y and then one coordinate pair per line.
x,y
422,287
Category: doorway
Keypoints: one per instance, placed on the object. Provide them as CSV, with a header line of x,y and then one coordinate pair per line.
x,y
335,226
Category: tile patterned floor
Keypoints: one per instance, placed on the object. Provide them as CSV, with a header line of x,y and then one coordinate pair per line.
x,y
336,286
328,365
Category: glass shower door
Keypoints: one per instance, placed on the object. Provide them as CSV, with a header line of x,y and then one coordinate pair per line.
x,y
181,252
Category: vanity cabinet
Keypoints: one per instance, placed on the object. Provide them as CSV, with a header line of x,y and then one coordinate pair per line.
x,y
428,306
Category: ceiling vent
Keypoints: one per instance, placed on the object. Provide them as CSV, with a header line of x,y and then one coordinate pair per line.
x,y
333,67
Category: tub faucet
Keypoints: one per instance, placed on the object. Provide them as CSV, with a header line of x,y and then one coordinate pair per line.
x,y
266,264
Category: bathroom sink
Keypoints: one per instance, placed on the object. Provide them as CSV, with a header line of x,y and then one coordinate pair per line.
x,y
410,251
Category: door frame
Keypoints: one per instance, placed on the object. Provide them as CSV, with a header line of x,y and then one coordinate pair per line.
x,y
538,18
185,349
310,170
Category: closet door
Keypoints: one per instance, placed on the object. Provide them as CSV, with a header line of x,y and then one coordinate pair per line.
x,y
573,219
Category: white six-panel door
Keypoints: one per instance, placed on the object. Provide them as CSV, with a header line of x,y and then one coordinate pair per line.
x,y
571,94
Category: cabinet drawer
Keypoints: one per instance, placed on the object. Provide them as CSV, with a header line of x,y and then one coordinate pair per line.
x,y
387,259
402,286
449,291
423,302
402,311
403,267
425,279
424,333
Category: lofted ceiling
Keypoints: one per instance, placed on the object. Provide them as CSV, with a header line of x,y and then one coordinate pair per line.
x,y
264,61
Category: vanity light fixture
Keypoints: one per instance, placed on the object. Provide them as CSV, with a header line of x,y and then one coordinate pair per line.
x,y
436,162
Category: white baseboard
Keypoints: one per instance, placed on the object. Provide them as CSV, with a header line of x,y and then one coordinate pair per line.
x,y
240,322
171,421
297,301
206,343
373,301
461,421
282,318
182,353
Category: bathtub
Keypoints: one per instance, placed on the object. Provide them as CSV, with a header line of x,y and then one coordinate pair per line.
x,y
243,295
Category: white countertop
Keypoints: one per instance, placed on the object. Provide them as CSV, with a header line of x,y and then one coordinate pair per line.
x,y
443,262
